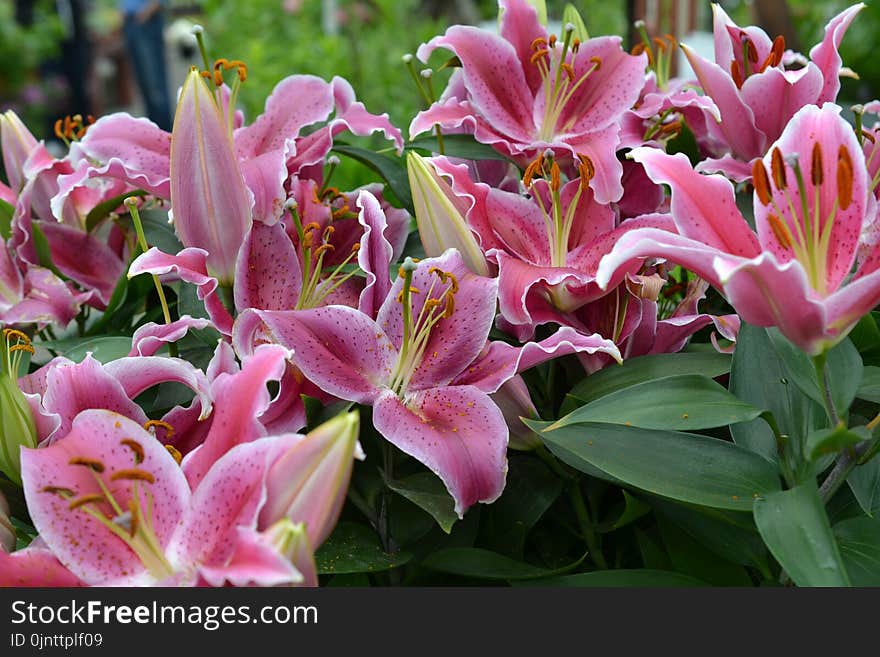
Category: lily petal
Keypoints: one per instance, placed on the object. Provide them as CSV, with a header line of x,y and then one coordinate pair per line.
x,y
457,432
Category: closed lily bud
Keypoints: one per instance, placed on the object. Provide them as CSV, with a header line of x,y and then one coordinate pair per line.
x,y
210,201
7,531
440,220
308,483
292,541
17,143
515,402
17,428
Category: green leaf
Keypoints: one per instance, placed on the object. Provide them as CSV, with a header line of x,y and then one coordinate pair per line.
x,y
101,211
571,15
354,548
682,466
637,577
731,534
692,558
6,212
688,401
831,441
426,491
844,369
859,542
633,509
869,389
642,369
463,146
484,564
795,527
104,349
864,482
391,169
759,376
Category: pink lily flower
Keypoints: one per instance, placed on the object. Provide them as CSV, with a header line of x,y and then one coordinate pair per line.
x,y
811,199
755,93
527,91
34,175
547,248
421,365
112,504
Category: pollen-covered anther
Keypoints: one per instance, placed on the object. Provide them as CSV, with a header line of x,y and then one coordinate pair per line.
x,y
596,62
670,128
175,453
777,167
737,74
83,500
750,51
240,67
538,55
10,333
535,169
844,178
153,424
539,43
575,45
552,41
569,71
586,170
776,53
324,248
555,177
92,464
135,447
660,43
58,490
133,474
816,173
449,306
780,231
355,247
21,347
761,182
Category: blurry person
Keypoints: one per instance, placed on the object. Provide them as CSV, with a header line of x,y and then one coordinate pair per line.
x,y
143,26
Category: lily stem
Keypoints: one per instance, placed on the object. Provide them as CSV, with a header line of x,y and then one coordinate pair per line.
x,y
586,524
824,380
844,465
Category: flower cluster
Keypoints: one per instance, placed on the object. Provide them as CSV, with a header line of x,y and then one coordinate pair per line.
x,y
558,243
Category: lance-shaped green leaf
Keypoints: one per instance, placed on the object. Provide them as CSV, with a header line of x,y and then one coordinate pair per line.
x,y
795,527
212,208
829,441
681,466
859,542
676,402
440,215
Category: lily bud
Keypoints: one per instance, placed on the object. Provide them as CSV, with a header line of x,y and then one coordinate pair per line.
x,y
17,428
212,206
17,143
440,220
291,541
308,482
7,531
515,402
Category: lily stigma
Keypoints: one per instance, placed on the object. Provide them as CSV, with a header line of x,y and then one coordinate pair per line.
x,y
555,62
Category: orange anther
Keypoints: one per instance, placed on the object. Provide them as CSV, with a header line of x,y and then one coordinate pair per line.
x,y
536,57
135,447
596,62
737,74
844,178
91,498
150,424
555,177
777,166
569,71
780,231
133,474
175,453
539,43
92,464
761,182
816,173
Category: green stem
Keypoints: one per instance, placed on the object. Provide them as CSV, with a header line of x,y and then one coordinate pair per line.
x,y
824,380
586,525
844,465
131,204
